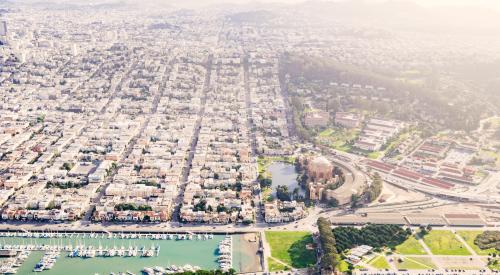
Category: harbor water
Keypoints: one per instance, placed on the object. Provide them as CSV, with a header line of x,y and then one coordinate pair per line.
x,y
201,252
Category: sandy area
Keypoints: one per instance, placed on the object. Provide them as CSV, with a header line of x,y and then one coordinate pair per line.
x,y
248,259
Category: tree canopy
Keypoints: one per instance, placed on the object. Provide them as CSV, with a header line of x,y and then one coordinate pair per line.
x,y
374,235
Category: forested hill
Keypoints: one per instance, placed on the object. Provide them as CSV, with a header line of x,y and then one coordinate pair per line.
x,y
421,100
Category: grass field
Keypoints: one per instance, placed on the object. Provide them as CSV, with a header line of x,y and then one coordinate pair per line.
x,y
417,263
290,247
337,138
469,236
274,265
443,242
379,262
410,247
343,266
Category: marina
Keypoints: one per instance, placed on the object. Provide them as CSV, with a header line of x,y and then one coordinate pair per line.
x,y
113,253
225,252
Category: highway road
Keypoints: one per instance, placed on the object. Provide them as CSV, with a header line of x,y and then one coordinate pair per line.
x,y
440,192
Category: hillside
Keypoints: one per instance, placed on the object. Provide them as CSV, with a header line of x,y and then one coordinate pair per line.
x,y
415,101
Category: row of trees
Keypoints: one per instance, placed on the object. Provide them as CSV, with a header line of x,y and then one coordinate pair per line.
x,y
328,245
297,112
375,189
147,182
132,207
66,184
202,206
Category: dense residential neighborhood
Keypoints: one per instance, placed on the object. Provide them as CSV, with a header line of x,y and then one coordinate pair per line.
x,y
307,138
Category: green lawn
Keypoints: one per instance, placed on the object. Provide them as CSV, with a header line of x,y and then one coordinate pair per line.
x,y
326,133
469,236
379,262
337,138
375,155
410,247
443,242
274,265
494,265
416,263
343,266
290,247
267,194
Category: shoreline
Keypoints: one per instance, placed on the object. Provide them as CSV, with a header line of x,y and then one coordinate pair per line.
x,y
248,253
127,231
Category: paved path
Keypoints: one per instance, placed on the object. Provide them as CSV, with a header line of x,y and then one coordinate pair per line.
x,y
281,262
434,259
407,258
471,251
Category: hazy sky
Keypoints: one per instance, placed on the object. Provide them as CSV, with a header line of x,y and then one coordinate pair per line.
x,y
489,4
481,3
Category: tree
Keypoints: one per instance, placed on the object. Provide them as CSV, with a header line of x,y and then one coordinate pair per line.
x,y
423,231
328,245
238,186
375,235
295,192
332,202
265,182
67,166
51,205
375,189
302,179
201,206
282,193
221,208
354,200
